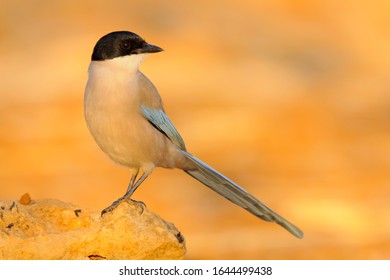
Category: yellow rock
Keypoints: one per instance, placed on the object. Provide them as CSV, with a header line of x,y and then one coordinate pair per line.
x,y
52,229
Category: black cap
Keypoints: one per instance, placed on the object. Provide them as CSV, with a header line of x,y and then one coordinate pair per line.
x,y
121,43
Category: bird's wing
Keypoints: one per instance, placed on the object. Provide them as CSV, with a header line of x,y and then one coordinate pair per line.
x,y
160,120
153,111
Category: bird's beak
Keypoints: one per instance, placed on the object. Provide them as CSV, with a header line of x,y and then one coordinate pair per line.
x,y
148,48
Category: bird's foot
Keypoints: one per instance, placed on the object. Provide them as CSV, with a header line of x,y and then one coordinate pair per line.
x,y
116,203
140,204
111,208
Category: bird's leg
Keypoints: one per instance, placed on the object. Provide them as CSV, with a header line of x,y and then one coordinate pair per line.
x,y
132,180
131,189
133,185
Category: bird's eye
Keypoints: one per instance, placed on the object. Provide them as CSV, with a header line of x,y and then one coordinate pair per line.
x,y
125,46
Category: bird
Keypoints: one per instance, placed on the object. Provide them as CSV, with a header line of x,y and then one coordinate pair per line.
x,y
125,115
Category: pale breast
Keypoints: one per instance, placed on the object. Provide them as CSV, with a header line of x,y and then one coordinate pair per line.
x,y
115,120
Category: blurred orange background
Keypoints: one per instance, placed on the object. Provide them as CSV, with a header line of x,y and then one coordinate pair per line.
x,y
290,99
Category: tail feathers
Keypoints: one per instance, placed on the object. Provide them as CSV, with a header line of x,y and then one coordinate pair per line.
x,y
233,192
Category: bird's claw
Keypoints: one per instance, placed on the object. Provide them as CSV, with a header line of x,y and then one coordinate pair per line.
x,y
116,203
111,208
141,204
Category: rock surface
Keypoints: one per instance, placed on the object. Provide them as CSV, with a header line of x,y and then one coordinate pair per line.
x,y
52,229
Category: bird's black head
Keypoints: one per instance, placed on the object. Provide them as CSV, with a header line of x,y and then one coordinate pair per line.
x,y
121,43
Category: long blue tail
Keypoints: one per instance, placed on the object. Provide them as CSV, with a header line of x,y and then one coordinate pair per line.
x,y
233,192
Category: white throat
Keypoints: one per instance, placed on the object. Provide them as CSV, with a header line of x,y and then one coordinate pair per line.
x,y
128,63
